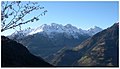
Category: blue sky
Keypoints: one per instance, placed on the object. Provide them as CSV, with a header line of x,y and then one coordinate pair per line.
x,y
82,14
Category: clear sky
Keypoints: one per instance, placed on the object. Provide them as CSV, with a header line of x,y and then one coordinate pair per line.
x,y
82,14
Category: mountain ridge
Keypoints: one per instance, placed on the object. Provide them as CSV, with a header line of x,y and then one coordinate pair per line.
x,y
57,28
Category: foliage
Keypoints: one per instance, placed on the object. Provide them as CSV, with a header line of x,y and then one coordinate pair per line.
x,y
13,13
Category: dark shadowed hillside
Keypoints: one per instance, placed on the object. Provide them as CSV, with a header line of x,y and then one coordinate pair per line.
x,y
16,55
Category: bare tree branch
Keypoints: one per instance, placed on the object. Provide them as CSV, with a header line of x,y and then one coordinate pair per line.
x,y
17,11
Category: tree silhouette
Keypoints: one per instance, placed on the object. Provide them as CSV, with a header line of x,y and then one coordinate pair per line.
x,y
13,13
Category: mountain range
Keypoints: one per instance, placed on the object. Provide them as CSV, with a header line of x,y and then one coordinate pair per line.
x,y
52,38
56,28
69,46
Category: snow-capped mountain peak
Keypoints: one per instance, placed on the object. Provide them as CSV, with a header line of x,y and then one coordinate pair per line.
x,y
94,30
58,28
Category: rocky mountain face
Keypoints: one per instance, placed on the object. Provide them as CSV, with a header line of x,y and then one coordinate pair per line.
x,y
14,54
102,49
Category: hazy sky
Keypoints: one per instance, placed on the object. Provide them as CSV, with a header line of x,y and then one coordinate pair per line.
x,y
81,14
